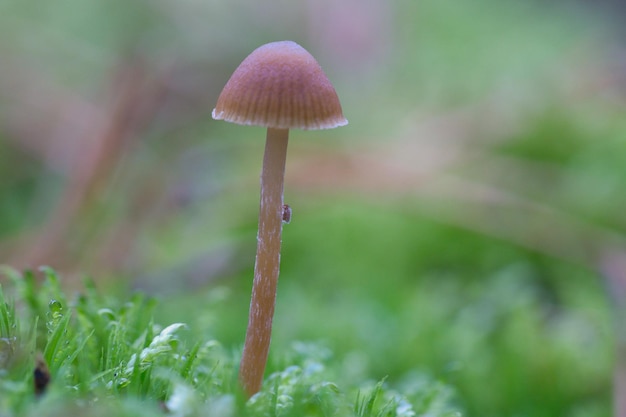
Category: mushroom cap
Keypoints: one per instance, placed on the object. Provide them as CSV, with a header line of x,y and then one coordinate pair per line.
x,y
280,85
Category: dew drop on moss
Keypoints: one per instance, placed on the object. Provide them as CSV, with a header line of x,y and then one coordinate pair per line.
x,y
55,306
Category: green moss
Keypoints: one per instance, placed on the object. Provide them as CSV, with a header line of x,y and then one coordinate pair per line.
x,y
108,357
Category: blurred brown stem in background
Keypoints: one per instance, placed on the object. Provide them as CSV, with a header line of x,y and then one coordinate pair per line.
x,y
134,98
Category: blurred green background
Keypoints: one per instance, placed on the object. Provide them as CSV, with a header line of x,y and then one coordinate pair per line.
x,y
468,224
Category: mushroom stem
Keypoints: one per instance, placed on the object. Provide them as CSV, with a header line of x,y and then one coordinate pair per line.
x,y
267,264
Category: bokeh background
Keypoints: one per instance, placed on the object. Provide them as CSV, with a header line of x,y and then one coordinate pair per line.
x,y
467,225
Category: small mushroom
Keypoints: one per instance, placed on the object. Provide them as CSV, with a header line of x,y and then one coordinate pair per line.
x,y
279,86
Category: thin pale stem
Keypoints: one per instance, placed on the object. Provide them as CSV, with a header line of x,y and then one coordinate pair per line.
x,y
267,264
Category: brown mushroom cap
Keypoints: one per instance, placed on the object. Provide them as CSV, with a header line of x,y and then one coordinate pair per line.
x,y
280,85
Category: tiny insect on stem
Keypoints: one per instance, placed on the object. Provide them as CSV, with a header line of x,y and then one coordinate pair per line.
x,y
286,213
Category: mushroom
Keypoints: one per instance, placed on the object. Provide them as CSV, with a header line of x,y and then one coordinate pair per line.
x,y
279,86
